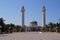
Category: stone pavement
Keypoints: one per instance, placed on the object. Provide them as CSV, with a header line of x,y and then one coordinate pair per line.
x,y
30,36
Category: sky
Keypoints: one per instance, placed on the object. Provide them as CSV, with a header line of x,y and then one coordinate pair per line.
x,y
10,11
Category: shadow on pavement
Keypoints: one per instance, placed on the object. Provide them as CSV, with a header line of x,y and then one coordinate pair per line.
x,y
3,35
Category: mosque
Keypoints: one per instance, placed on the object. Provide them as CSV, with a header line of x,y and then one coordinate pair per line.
x,y
33,24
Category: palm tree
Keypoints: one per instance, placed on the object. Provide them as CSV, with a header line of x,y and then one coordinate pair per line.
x,y
58,27
12,27
18,28
2,24
9,28
52,25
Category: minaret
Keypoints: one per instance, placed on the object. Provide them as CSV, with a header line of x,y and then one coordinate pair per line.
x,y
22,10
43,16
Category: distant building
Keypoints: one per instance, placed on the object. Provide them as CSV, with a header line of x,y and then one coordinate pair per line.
x,y
33,24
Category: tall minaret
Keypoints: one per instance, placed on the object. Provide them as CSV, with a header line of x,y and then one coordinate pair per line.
x,y
43,16
22,10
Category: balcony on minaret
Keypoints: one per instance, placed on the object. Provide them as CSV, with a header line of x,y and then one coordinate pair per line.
x,y
23,10
44,9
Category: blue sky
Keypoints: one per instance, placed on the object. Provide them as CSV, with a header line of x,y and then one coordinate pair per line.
x,y
10,11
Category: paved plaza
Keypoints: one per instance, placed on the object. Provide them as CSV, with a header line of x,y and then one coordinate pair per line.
x,y
31,36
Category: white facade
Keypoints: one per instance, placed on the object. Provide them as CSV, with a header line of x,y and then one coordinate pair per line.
x,y
23,10
43,16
